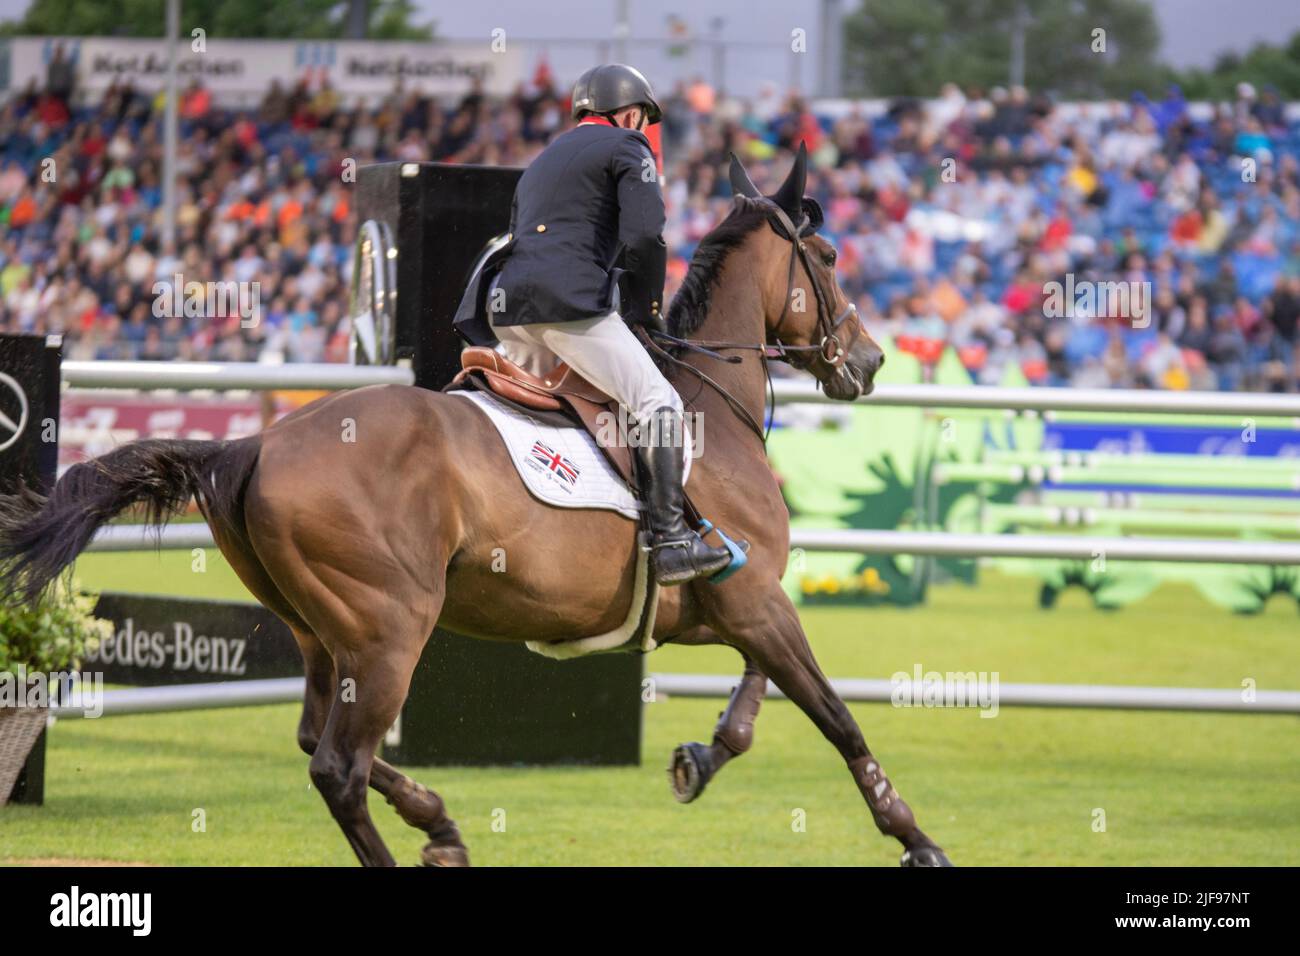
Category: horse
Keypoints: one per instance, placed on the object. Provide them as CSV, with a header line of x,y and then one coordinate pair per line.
x,y
368,517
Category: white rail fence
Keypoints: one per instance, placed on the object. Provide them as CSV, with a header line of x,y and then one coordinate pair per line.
x,y
947,544
1251,404
254,377
243,376
231,376
156,700
250,693
941,544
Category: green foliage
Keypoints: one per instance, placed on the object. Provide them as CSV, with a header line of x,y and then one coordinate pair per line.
x,y
391,20
913,47
286,19
1264,65
50,635
1248,589
1110,590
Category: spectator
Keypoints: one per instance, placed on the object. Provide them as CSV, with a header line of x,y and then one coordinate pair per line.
x,y
196,102
61,77
950,217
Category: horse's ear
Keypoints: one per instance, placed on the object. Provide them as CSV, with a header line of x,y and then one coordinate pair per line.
x,y
790,196
741,184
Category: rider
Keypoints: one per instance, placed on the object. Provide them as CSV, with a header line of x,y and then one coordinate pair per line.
x,y
594,192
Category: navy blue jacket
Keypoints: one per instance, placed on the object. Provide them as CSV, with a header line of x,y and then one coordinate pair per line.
x,y
592,194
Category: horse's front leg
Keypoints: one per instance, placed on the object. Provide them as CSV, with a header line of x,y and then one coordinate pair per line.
x,y
768,630
694,765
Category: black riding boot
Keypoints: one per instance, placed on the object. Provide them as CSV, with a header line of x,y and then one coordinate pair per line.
x,y
679,554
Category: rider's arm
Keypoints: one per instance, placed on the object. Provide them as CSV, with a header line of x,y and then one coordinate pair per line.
x,y
640,230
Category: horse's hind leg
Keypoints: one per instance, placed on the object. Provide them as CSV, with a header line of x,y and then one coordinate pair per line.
x,y
372,686
695,764
374,640
419,806
318,666
423,809
772,634
318,692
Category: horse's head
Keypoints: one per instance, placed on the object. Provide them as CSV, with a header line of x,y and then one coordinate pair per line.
x,y
806,311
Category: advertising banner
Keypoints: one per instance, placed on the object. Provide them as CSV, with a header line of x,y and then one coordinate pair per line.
x,y
241,71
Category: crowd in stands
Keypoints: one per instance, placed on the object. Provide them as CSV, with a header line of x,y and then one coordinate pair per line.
x,y
953,218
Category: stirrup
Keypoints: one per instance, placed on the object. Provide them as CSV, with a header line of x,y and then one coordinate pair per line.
x,y
739,551
680,560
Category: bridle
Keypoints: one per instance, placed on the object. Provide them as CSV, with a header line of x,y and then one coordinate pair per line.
x,y
827,355
830,350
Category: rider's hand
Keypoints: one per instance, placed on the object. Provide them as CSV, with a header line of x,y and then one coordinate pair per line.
x,y
655,323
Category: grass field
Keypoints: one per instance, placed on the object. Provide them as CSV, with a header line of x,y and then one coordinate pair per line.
x,y
1023,788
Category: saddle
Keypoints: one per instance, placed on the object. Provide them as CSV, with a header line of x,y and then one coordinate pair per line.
x,y
565,395
562,393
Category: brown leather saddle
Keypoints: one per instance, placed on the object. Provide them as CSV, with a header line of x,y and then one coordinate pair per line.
x,y
562,393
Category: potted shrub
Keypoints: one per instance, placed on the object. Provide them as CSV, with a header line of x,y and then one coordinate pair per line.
x,y
46,638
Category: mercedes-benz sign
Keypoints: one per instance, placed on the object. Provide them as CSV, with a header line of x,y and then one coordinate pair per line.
x,y
13,410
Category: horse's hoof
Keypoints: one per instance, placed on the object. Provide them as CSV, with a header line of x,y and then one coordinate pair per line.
x,y
435,854
690,771
924,856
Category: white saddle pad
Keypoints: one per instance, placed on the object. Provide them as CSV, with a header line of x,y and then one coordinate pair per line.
x,y
563,467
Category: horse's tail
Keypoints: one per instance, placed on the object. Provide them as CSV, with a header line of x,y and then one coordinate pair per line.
x,y
40,537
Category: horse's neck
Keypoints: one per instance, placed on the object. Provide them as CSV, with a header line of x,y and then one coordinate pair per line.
x,y
735,316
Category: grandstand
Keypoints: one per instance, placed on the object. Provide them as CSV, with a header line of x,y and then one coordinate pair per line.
x,y
952,217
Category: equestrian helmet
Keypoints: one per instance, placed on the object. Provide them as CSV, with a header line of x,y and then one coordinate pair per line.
x,y
611,87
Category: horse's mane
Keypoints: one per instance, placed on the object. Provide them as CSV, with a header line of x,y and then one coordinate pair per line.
x,y
690,305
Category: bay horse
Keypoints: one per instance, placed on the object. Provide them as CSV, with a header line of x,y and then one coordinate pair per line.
x,y
368,517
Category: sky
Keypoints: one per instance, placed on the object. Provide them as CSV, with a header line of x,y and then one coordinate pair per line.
x,y
1194,31
758,31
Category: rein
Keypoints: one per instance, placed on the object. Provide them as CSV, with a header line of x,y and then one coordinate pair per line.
x,y
648,338
829,351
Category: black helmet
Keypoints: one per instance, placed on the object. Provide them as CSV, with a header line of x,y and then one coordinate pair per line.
x,y
609,88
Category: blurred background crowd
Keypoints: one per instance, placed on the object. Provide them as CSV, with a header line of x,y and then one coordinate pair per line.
x,y
952,217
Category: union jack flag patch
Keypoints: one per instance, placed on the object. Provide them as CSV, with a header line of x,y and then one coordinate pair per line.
x,y
556,463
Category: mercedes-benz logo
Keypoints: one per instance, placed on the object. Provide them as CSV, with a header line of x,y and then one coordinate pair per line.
x,y
10,431
373,307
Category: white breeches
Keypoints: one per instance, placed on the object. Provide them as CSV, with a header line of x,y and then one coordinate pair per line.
x,y
604,351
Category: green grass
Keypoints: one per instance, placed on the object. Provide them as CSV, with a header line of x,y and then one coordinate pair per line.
x,y
1022,788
